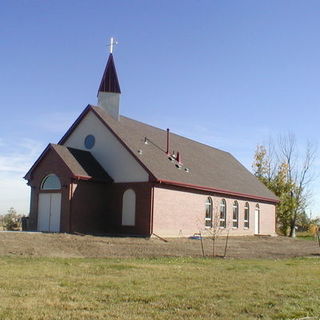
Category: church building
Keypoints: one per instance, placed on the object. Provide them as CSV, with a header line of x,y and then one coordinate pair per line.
x,y
110,174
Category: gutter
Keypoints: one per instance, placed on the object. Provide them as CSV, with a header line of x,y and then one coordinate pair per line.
x,y
220,191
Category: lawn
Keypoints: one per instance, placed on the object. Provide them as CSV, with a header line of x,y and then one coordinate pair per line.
x,y
159,288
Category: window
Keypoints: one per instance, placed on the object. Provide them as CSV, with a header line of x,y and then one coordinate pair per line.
x,y
235,214
50,182
129,208
208,218
89,141
246,215
223,213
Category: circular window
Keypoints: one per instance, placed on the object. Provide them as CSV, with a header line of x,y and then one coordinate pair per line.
x,y
89,141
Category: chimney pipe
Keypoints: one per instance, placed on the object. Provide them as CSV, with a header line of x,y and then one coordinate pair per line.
x,y
168,140
179,157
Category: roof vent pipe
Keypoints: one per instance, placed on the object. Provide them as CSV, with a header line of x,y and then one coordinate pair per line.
x,y
168,140
179,157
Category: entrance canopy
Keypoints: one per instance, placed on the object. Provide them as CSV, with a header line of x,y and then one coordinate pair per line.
x,y
81,164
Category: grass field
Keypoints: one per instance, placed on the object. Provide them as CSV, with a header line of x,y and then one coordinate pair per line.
x,y
159,288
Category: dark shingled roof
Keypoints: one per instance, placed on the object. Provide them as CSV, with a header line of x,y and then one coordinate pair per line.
x,y
109,81
208,167
81,163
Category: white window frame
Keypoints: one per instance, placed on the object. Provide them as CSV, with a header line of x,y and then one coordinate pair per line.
x,y
223,204
129,208
44,181
246,221
235,222
208,203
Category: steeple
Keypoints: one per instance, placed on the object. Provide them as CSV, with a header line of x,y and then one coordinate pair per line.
x,y
109,81
109,89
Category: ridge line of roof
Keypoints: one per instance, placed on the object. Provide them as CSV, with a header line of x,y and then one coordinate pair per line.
x,y
178,135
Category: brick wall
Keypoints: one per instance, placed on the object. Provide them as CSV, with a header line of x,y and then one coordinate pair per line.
x,y
181,212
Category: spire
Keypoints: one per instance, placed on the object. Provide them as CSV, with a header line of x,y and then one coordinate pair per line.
x,y
109,81
109,89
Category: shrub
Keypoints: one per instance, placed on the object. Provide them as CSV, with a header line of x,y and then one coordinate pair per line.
x,y
11,220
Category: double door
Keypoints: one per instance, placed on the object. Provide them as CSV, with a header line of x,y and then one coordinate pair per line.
x,y
49,210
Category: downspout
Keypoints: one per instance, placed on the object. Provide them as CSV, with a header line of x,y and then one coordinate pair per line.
x,y
70,206
152,207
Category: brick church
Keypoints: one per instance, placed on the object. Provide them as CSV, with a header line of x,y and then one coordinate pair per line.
x,y
110,174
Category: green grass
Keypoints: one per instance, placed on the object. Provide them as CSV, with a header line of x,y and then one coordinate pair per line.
x,y
306,236
164,288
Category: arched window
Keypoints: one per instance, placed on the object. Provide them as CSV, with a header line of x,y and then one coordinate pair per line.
x,y
208,218
129,208
223,214
246,215
50,182
235,214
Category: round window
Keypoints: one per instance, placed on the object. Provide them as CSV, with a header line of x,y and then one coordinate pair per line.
x,y
89,141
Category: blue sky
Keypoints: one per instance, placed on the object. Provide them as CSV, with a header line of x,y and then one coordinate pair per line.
x,y
227,73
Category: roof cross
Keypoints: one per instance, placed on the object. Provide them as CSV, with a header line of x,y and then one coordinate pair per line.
x,y
112,43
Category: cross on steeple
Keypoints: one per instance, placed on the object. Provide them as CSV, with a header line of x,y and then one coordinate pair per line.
x,y
112,43
109,89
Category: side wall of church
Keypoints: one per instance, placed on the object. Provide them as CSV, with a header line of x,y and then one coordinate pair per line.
x,y
143,196
110,153
179,212
89,206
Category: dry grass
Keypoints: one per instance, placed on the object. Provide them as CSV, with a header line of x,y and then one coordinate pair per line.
x,y
65,245
162,288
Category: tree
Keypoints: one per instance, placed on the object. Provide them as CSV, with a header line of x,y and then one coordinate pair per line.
x,y
11,220
213,229
288,173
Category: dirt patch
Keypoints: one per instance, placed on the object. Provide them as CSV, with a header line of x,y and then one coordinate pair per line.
x,y
66,245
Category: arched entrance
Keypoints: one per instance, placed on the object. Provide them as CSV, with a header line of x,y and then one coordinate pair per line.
x,y
49,204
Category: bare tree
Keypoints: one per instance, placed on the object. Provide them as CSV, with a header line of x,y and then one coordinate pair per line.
x,y
299,175
214,227
289,174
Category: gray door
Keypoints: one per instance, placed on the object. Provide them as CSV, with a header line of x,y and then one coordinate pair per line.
x,y
49,210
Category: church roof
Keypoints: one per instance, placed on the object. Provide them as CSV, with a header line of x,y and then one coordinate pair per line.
x,y
109,81
203,167
81,163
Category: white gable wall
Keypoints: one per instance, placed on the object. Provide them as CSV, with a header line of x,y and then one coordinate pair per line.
x,y
117,161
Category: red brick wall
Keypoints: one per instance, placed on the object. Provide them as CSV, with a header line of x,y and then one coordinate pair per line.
x,y
89,210
181,212
143,208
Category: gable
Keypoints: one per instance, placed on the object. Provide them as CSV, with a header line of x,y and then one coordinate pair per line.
x,y
70,162
107,150
48,162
